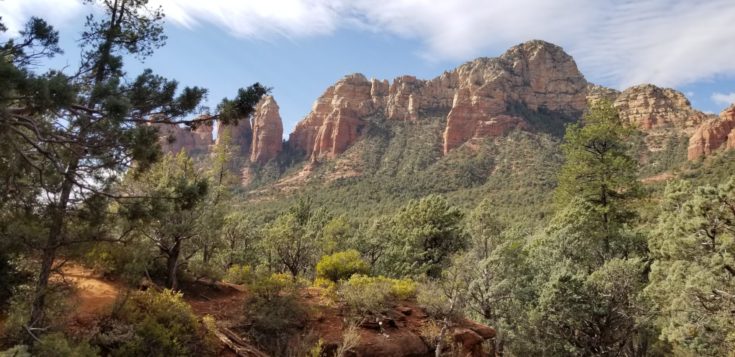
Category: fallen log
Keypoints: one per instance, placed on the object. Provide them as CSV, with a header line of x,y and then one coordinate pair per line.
x,y
237,344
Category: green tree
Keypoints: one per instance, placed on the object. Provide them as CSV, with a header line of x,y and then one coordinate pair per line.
x,y
173,194
292,240
75,133
219,203
588,265
597,186
496,271
424,235
692,276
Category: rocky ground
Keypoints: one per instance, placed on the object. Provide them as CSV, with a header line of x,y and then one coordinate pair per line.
x,y
396,332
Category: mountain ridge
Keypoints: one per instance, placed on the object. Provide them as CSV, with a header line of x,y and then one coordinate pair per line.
x,y
534,86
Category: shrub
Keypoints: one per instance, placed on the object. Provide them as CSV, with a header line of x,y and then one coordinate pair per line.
x,y
57,345
403,289
365,294
56,313
164,325
274,311
16,351
199,269
341,265
239,274
350,340
371,294
434,303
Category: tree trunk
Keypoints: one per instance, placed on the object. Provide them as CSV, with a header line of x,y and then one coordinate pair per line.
x,y
206,254
56,230
440,339
172,265
499,344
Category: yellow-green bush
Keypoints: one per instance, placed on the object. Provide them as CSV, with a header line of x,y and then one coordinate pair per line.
x,y
403,289
239,274
365,294
324,283
163,324
341,265
371,294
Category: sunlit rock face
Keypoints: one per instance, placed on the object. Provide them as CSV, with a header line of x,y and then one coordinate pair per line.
x,y
476,98
267,131
658,112
714,134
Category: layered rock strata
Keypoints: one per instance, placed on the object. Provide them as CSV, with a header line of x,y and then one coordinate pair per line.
x,y
477,98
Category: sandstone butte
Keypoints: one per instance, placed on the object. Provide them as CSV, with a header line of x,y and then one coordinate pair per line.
x,y
477,100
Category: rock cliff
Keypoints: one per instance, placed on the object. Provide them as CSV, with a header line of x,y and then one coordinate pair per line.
x,y
174,138
658,112
483,98
258,141
714,134
477,99
267,131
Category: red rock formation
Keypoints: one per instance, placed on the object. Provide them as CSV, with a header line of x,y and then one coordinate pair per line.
x,y
267,131
712,135
477,97
174,138
335,119
241,135
659,112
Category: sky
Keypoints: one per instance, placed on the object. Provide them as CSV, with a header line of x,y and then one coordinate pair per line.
x,y
300,47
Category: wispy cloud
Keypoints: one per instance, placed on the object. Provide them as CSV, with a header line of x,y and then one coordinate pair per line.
x,y
15,13
723,98
620,42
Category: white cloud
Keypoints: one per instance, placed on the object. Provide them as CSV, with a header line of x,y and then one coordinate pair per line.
x,y
723,98
15,13
620,42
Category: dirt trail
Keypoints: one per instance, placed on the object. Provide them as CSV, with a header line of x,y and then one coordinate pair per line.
x,y
665,176
93,295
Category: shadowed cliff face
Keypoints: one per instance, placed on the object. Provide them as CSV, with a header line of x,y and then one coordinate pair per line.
x,y
174,138
258,142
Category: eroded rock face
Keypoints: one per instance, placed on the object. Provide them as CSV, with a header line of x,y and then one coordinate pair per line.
x,y
174,138
241,135
596,93
267,131
712,135
658,112
477,99
335,118
258,142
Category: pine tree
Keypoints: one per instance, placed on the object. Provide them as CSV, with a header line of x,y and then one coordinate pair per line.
x,y
590,267
73,134
692,276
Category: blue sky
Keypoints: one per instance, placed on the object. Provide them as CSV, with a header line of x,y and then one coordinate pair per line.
x,y
300,47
